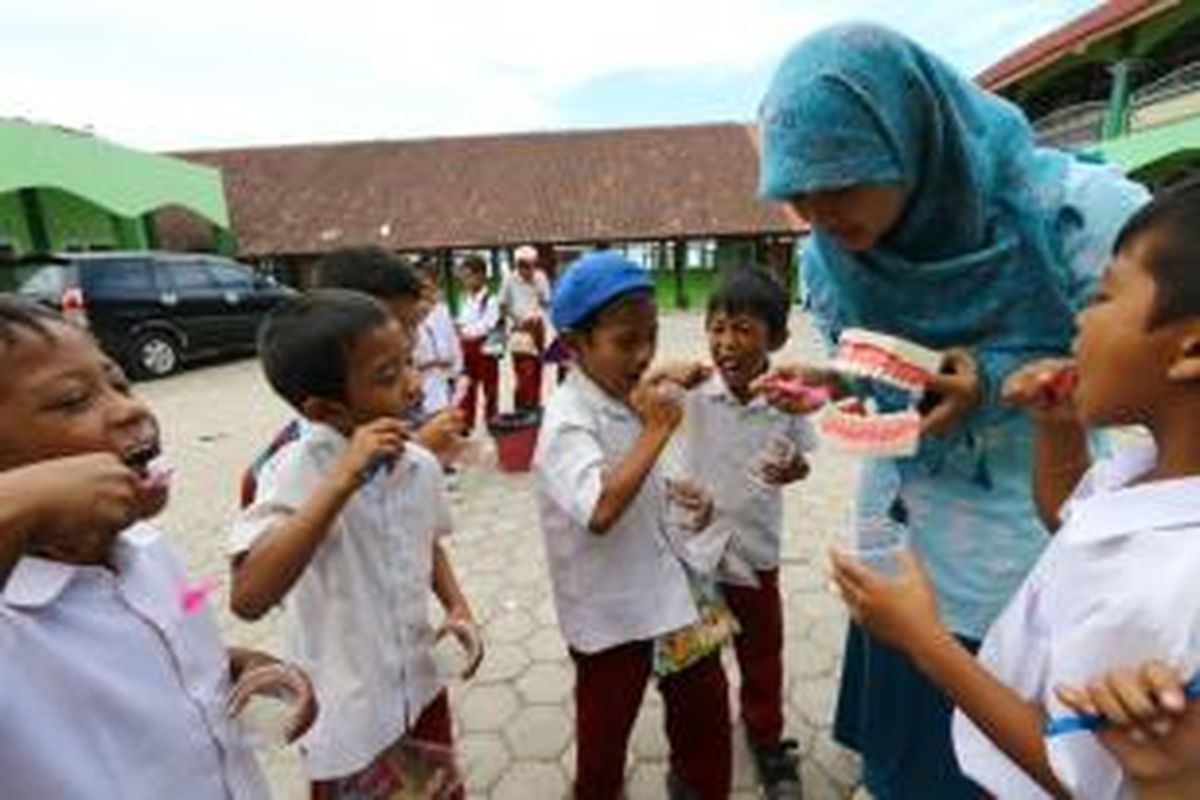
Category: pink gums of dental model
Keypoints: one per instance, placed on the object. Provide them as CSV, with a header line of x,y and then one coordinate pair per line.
x,y
849,427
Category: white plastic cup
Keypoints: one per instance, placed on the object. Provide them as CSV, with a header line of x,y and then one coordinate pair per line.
x,y
876,542
454,656
778,452
266,703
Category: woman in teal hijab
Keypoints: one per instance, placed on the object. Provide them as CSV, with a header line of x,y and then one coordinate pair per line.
x,y
935,217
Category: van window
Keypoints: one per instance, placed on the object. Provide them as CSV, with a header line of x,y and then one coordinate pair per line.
x,y
190,277
42,280
118,278
232,278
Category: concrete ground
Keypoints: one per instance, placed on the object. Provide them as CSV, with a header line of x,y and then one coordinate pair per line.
x,y
514,720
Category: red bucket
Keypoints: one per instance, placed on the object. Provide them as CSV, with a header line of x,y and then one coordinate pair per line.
x,y
515,436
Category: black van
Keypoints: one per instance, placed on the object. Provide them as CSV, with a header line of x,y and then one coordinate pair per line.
x,y
149,310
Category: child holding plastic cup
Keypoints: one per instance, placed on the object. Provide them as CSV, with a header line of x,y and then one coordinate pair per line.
x,y
743,451
114,677
345,533
622,594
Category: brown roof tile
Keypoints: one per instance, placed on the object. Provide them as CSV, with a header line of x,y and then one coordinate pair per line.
x,y
633,184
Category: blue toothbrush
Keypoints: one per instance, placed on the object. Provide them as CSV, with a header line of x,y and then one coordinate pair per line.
x,y
1074,723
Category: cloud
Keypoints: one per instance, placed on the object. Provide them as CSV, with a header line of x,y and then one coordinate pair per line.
x,y
240,72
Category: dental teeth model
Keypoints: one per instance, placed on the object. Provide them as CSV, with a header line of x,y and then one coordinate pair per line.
x,y
887,359
854,426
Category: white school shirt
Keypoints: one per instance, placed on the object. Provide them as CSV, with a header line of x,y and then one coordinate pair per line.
x,y
523,299
479,315
357,619
437,340
111,688
720,441
1116,587
627,584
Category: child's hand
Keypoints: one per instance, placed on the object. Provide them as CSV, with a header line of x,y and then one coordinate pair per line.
x,y
900,610
794,469
442,434
658,409
81,503
1146,698
381,439
823,384
1155,731
688,374
1043,388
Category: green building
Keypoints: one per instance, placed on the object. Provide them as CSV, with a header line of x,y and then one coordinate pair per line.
x,y
67,190
1122,81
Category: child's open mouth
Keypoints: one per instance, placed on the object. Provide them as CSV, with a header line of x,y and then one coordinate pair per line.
x,y
140,456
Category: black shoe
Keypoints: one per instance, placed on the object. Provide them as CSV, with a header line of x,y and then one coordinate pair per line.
x,y
778,771
677,789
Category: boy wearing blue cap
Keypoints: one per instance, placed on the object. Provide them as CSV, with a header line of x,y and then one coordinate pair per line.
x,y
618,585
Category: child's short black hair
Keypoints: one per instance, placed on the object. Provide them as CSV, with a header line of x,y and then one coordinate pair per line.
x,y
18,313
370,270
752,291
475,264
1172,254
305,341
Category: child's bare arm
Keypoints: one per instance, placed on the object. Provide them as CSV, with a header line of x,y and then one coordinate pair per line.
x,y
1061,454
619,486
446,588
265,574
902,611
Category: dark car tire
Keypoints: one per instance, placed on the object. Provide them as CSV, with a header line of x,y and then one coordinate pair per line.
x,y
155,354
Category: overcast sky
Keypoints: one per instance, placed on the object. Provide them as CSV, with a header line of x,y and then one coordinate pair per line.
x,y
160,74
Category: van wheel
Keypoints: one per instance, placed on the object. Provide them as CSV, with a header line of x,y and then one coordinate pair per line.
x,y
155,355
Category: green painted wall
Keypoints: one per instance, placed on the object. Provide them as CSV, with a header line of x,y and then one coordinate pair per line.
x,y
72,222
13,229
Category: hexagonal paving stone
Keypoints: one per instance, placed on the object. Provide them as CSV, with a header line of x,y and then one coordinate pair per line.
x,y
488,708
483,758
509,627
546,644
501,662
648,781
649,739
531,781
540,732
546,683
814,700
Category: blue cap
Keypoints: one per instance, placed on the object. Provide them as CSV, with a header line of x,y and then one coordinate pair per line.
x,y
592,282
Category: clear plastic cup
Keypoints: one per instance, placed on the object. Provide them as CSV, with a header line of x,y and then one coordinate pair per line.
x,y
456,651
877,543
687,505
267,703
777,453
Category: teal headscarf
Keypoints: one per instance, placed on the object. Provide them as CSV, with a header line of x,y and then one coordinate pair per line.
x,y
973,261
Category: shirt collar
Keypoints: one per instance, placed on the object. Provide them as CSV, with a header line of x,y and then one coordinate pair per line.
x,y
325,438
715,389
1114,508
37,582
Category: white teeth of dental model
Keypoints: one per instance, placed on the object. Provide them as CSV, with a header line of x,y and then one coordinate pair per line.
x,y
887,359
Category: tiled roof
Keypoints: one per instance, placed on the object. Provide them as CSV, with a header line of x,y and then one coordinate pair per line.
x,y
1107,19
632,184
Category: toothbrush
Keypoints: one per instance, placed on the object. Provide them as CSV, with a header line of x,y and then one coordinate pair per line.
x,y
1075,723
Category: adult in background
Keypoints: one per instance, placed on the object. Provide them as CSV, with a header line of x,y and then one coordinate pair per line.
x,y
936,218
524,298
